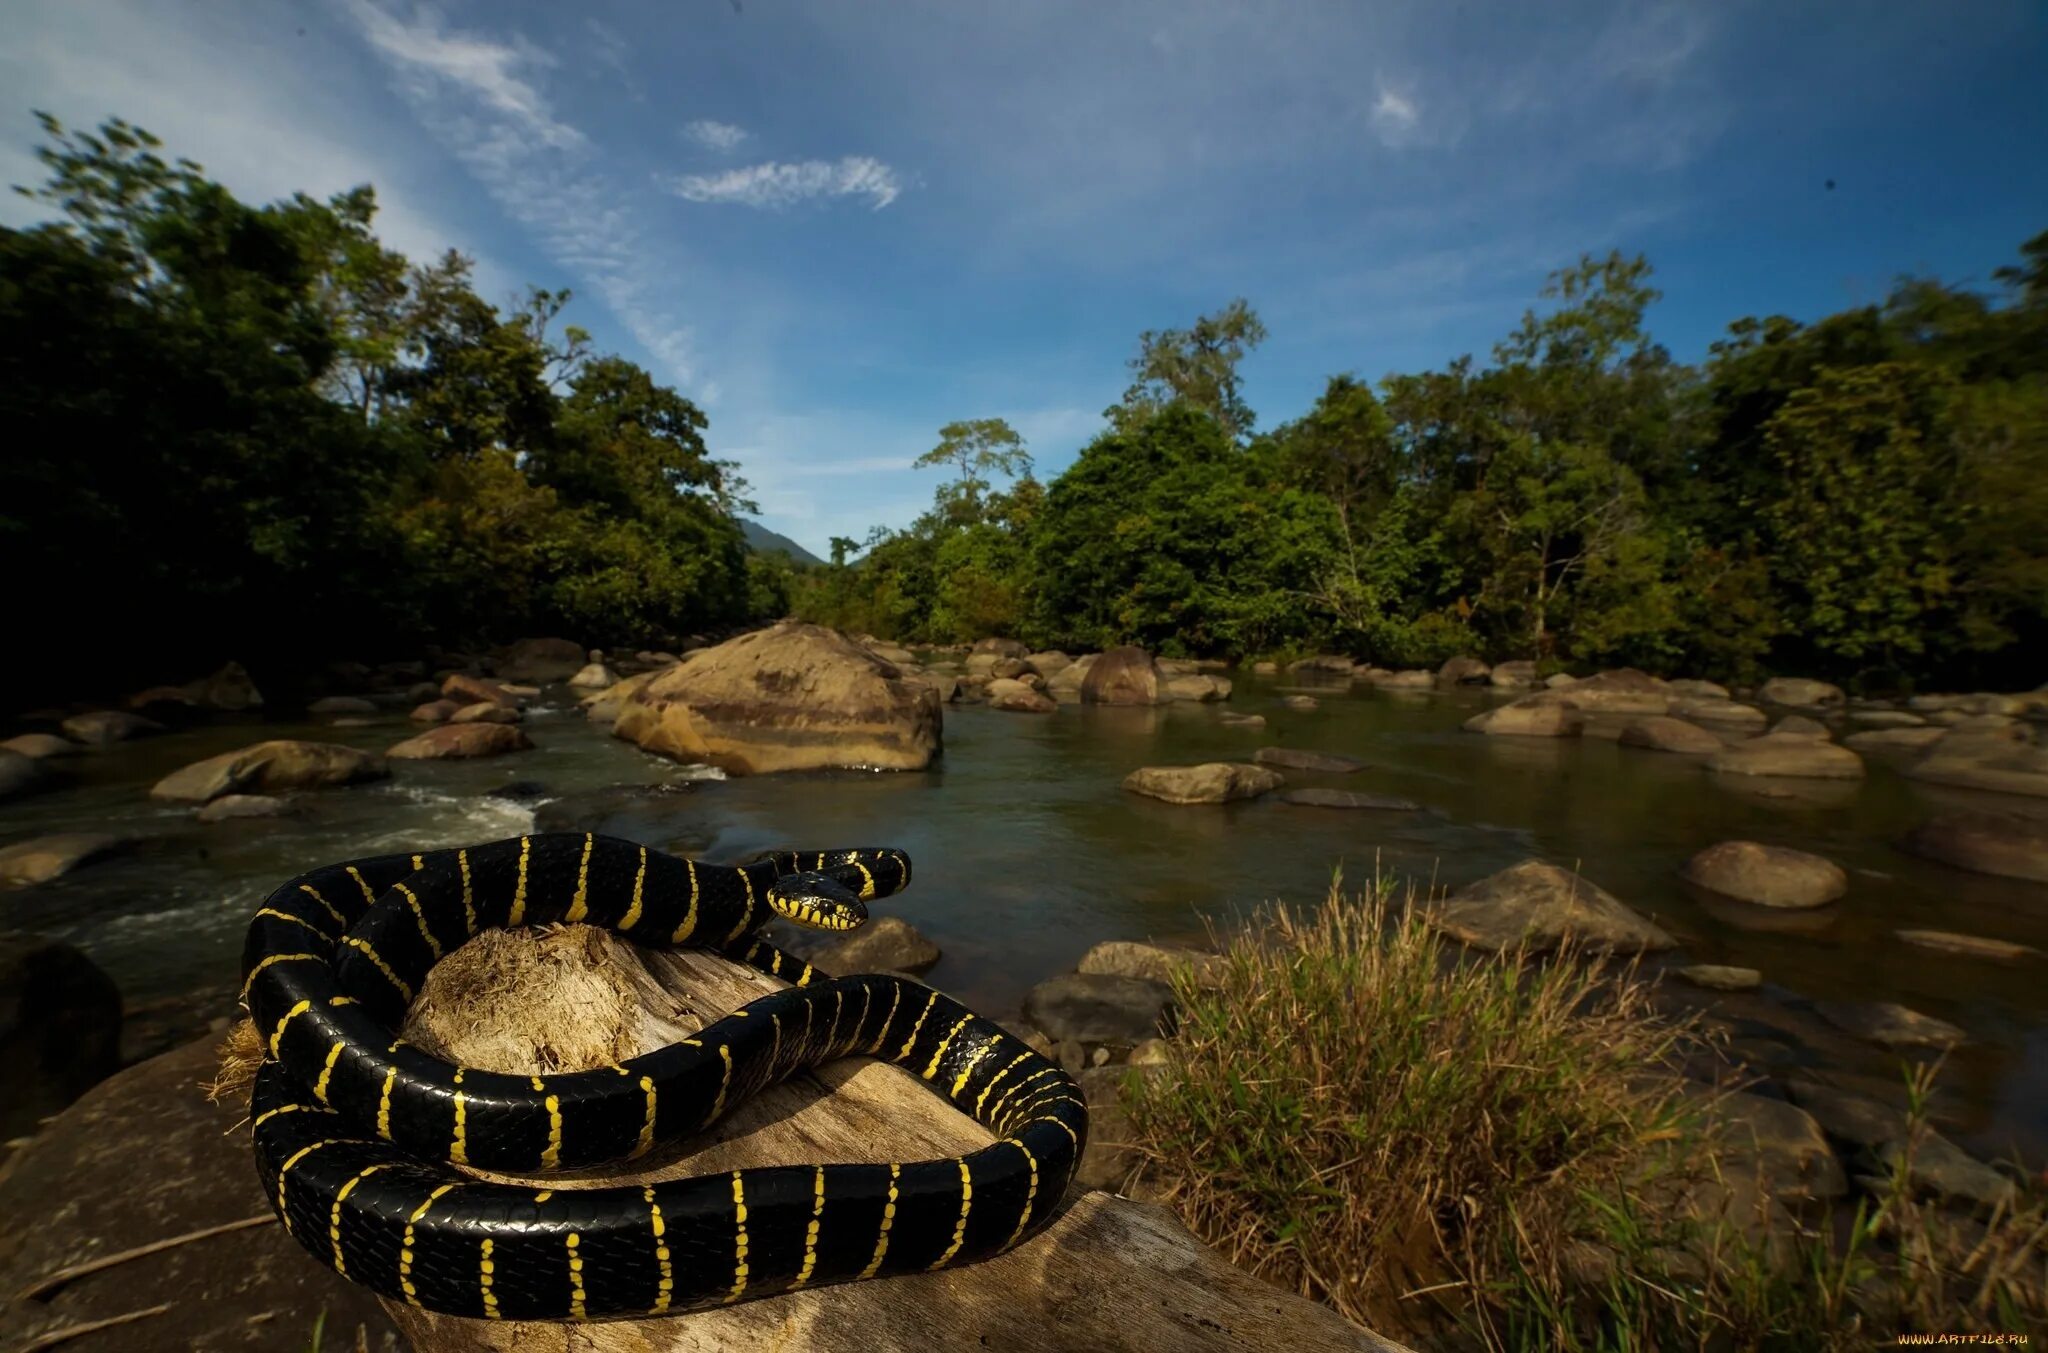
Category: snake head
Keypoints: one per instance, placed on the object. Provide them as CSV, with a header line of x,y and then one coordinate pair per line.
x,y
817,900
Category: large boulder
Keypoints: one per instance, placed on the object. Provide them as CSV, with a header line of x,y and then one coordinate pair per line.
x,y
1662,733
42,858
1801,693
1692,688
270,767
1621,691
1198,688
1098,1008
1994,759
1533,716
1513,675
460,741
1722,714
1000,648
1539,905
1211,782
486,711
1799,726
1153,962
465,689
19,773
1048,662
60,1032
1294,758
1123,676
593,676
2011,847
884,944
1875,1137
1780,1141
603,706
1793,756
540,661
792,697
105,727
39,746
1768,876
1463,671
1007,693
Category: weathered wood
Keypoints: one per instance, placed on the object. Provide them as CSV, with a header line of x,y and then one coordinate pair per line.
x,y
1110,1274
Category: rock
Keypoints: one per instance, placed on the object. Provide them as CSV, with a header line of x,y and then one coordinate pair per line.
x,y
602,707
1109,1161
1403,681
593,676
1201,688
341,704
1001,648
1345,798
1300,702
1323,662
60,1032
1009,694
1463,671
1877,741
1266,668
1048,663
791,697
1876,1136
1886,718
270,767
1719,977
230,806
1558,681
1151,1052
1800,693
460,741
105,727
164,699
42,858
39,746
1333,763
437,711
1098,1008
2010,847
1799,726
884,944
1211,782
1010,668
1538,904
1509,675
1691,688
1246,722
1533,716
1793,756
1985,758
250,1289
1723,714
1123,676
1767,876
1891,1024
19,774
468,690
540,661
1662,733
895,653
486,711
1779,1141
1622,691
1969,946
1154,963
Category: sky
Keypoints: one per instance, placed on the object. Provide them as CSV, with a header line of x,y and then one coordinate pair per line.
x,y
839,226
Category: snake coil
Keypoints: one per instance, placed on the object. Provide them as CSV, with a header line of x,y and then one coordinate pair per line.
x,y
358,1135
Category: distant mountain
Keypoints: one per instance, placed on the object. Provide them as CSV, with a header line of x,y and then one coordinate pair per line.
x,y
764,541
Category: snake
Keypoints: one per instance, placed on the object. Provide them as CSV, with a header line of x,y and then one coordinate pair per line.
x,y
365,1144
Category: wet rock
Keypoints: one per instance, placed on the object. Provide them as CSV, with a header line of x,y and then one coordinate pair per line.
x,y
1885,718
1048,663
1000,648
39,746
1879,741
467,690
1123,676
1969,946
895,653
1662,733
1323,662
2008,846
1300,702
1799,726
603,706
1534,716
19,774
436,711
1691,688
1796,757
1415,680
1767,876
1266,668
1211,782
884,944
341,704
1779,1142
1345,798
455,741
1558,681
1110,1160
791,697
486,711
1246,722
1890,1024
1153,962
1875,1137
540,661
1724,715
42,858
1008,668
231,806
1801,693
1098,1008
1622,691
105,727
1720,977
60,1031
1539,905
1463,671
1988,759
599,810
270,767
1008,694
1511,675
1200,688
251,1289
593,676
1333,763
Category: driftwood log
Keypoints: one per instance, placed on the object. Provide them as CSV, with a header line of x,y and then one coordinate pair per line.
x,y
1109,1274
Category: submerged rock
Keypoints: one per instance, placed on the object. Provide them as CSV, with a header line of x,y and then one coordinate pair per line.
x,y
1969,946
19,773
486,711
1534,716
1720,977
2010,847
1345,798
1891,1024
1334,763
230,806
1300,702
1211,782
1792,756
1662,733
42,858
105,727
40,746
1768,876
1540,905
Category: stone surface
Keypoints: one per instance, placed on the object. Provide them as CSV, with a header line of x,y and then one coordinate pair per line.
x,y
1875,1136
1885,718
486,711
1123,676
1969,946
435,711
791,697
39,746
1722,714
1767,876
1539,905
60,1032
105,727
1300,702
1153,962
461,741
1779,1142
1211,782
1801,693
19,774
1199,688
1463,671
270,767
467,690
42,858
1000,648
1346,798
1048,663
2008,846
595,676
540,661
1998,758
884,944
1099,1008
1720,977
1799,726
1515,674
1247,722
1008,694
1533,716
1891,1024
1691,688
1621,691
1335,763
1794,757
230,806
341,704
1414,680
1662,733
1878,741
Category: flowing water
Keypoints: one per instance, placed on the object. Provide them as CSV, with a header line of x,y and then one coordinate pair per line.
x,y
1027,853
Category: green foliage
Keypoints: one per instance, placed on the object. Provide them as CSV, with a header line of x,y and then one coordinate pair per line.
x,y
1197,367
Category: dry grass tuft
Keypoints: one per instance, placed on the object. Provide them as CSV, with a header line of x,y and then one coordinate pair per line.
x,y
241,1054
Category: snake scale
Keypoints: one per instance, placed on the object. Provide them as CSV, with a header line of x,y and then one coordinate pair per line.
x,y
359,1136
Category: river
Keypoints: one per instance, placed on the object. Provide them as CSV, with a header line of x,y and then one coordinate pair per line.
x,y
1027,853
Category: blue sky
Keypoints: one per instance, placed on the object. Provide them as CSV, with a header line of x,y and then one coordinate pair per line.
x,y
837,226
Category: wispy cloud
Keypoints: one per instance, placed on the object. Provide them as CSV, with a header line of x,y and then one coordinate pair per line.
x,y
489,71
1395,117
782,184
723,137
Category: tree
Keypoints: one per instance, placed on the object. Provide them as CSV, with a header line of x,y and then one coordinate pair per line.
x,y
980,448
1195,366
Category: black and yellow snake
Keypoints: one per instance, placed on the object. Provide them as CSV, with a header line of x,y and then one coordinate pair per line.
x,y
359,1136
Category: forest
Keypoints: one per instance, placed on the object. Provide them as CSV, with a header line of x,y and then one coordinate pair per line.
x,y
256,431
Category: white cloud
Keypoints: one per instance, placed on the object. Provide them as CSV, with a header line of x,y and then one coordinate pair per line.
x,y
486,70
781,184
723,137
1395,117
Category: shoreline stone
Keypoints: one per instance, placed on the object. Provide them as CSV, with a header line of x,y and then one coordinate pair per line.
x,y
1210,782
1541,905
1767,876
279,764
